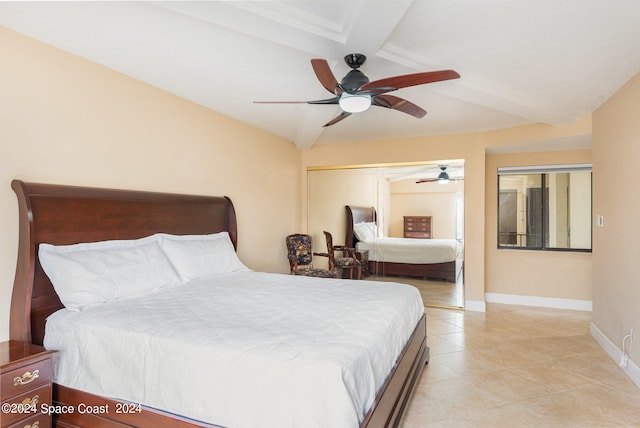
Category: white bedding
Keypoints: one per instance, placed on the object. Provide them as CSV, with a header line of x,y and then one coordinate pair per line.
x,y
416,251
242,349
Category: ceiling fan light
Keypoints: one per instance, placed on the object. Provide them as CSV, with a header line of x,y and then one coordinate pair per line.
x,y
443,178
352,103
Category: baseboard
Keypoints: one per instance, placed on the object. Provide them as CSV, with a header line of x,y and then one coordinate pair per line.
x,y
544,302
475,305
631,370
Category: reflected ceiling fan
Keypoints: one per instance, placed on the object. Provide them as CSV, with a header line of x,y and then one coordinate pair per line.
x,y
355,93
442,178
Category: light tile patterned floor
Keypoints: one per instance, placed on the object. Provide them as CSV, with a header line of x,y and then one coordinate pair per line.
x,y
516,366
434,292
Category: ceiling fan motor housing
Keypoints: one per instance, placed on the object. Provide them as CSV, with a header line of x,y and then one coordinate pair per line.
x,y
353,80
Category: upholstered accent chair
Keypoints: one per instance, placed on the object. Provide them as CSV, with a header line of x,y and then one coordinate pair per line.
x,y
348,263
300,254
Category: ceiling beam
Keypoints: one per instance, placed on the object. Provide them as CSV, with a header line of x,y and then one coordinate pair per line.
x,y
483,92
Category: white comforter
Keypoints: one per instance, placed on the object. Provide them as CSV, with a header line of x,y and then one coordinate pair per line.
x,y
407,250
243,349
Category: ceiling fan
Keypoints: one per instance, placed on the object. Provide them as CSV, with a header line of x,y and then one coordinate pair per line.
x,y
442,178
355,93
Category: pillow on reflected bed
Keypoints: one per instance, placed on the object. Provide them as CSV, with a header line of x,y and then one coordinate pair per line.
x,y
200,256
90,274
365,232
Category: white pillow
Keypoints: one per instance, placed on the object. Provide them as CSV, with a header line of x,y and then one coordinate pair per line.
x,y
365,232
198,256
90,274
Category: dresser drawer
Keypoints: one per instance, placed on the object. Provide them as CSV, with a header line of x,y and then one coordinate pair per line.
x,y
418,220
420,235
26,405
418,226
26,377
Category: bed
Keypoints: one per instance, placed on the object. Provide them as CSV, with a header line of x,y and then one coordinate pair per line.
x,y
422,258
54,217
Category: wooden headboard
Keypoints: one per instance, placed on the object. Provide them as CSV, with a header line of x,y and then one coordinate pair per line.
x,y
357,215
62,215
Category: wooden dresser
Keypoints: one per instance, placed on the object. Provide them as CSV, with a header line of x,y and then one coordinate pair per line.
x,y
417,227
26,384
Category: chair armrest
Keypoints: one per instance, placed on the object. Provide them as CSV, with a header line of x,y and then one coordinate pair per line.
x,y
321,254
350,251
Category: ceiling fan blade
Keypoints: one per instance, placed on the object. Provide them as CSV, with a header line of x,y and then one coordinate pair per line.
x,y
433,180
334,100
375,91
337,119
407,80
281,102
399,104
324,74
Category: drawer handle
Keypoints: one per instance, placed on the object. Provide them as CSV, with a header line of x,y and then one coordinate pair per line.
x,y
26,378
36,424
31,402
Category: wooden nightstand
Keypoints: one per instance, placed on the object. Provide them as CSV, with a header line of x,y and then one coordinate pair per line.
x,y
363,256
25,384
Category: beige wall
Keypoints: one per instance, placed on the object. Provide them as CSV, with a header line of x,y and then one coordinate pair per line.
x,y
69,121
552,274
616,246
429,199
329,192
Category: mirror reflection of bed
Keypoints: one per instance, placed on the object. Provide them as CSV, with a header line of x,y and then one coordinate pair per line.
x,y
395,198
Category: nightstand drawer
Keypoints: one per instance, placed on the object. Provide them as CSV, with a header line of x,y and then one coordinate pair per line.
x,y
27,377
36,421
25,405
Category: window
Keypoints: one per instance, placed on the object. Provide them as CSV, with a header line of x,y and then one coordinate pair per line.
x,y
545,208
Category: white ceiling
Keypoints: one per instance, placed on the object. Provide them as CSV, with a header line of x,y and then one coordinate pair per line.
x,y
454,168
520,62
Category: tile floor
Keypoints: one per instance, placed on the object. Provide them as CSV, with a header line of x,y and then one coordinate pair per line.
x,y
434,292
516,366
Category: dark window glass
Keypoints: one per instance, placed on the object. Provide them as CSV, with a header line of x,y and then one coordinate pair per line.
x,y
545,211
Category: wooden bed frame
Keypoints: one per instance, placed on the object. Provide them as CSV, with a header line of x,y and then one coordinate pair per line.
x,y
446,271
62,215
